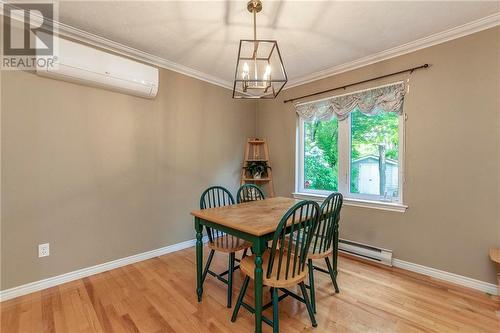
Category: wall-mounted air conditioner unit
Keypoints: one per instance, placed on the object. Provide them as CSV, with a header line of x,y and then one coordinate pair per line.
x,y
86,65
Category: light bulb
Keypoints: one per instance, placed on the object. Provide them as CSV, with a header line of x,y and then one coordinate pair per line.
x,y
267,73
245,72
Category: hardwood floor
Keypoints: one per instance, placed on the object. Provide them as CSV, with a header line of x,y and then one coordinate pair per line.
x,y
158,295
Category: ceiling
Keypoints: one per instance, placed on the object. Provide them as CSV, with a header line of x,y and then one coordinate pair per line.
x,y
312,35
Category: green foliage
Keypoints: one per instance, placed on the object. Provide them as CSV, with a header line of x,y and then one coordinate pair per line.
x,y
368,132
254,167
321,155
326,137
318,173
354,178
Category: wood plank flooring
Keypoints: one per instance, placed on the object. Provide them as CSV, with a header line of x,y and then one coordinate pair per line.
x,y
158,295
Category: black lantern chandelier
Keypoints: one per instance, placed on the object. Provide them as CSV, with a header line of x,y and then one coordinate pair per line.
x,y
260,73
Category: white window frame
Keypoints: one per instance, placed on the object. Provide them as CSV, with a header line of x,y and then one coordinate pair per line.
x,y
344,170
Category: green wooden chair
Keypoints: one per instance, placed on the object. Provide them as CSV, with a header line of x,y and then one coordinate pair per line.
x,y
325,242
249,192
218,196
285,263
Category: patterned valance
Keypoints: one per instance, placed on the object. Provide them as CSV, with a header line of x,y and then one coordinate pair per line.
x,y
382,99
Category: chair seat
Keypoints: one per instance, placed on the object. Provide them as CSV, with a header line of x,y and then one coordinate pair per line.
x,y
247,266
311,255
320,255
228,244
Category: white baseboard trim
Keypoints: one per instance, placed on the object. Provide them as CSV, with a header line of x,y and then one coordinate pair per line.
x,y
84,272
461,280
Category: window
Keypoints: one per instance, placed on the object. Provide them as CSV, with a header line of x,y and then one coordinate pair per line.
x,y
374,156
360,156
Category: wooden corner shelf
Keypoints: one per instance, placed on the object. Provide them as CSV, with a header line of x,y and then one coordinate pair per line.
x,y
258,151
257,179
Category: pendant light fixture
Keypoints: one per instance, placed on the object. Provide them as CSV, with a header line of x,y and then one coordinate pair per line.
x,y
260,73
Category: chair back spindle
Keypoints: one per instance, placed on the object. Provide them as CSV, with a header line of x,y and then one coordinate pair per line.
x,y
212,197
249,192
292,239
326,233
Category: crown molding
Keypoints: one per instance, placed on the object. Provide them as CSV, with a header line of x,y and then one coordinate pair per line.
x,y
422,43
79,35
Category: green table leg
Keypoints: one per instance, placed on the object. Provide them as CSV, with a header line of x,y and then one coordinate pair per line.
x,y
199,258
230,280
258,249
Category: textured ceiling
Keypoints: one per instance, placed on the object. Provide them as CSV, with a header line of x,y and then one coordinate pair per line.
x,y
312,35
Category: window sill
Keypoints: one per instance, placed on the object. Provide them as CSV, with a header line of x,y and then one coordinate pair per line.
x,y
388,206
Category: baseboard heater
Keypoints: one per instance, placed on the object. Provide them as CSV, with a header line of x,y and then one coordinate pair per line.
x,y
364,251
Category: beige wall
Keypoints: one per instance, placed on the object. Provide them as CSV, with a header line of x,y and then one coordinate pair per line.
x,y
102,175
452,156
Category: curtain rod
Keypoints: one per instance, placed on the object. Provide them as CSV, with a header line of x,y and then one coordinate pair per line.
x,y
411,70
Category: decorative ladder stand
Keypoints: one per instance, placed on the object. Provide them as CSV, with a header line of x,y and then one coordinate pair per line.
x,y
257,151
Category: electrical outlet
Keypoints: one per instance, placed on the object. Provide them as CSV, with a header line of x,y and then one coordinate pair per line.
x,y
43,250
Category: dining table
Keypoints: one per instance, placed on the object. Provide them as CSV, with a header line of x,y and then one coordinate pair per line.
x,y
254,222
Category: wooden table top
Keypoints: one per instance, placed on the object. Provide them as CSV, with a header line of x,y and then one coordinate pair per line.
x,y
256,218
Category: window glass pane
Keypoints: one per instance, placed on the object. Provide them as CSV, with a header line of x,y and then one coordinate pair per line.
x,y
374,152
321,155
